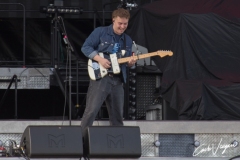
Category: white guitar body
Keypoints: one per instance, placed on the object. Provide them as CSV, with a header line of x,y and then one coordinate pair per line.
x,y
91,67
97,71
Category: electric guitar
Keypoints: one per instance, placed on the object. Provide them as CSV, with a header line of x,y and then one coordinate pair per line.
x,y
97,71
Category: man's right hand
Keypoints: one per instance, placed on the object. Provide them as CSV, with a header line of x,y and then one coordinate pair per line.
x,y
104,62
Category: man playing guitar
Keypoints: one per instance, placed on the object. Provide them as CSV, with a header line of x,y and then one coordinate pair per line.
x,y
109,89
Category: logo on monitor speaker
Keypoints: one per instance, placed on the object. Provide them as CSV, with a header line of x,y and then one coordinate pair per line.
x,y
115,141
56,141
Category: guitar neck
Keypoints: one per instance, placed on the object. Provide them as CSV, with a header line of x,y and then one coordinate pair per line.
x,y
124,60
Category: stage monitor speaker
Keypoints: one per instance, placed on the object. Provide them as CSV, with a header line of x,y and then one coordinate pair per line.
x,y
52,142
114,142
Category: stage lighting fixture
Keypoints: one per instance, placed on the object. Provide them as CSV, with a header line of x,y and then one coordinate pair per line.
x,y
60,9
127,4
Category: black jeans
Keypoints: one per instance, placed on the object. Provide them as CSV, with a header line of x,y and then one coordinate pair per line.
x,y
110,90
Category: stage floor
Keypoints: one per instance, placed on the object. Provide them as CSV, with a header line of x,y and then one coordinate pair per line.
x,y
150,127
217,139
142,158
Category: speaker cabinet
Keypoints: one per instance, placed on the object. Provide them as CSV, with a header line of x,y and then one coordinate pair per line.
x,y
114,142
52,142
146,86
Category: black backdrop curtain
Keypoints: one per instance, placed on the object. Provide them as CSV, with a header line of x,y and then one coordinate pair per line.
x,y
201,79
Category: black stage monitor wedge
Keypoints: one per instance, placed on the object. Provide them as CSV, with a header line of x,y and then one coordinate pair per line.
x,y
114,142
52,142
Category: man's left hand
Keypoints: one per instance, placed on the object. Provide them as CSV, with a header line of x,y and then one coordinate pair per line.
x,y
132,60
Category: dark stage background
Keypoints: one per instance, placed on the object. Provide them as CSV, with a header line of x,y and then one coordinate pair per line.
x,y
201,81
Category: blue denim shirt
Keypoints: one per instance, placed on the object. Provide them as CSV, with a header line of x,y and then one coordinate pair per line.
x,y
102,39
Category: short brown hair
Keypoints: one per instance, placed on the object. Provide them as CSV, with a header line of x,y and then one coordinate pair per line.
x,y
122,13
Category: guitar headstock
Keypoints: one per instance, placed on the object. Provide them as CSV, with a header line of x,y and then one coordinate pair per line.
x,y
164,53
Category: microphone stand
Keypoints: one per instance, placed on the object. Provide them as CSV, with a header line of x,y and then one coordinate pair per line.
x,y
69,52
138,52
